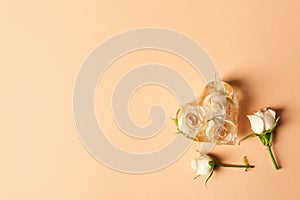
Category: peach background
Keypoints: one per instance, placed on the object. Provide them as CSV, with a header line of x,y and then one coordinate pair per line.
x,y
43,44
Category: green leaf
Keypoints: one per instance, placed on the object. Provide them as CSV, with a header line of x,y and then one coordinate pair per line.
x,y
248,136
196,176
179,131
219,87
209,176
229,100
246,162
213,118
175,120
177,113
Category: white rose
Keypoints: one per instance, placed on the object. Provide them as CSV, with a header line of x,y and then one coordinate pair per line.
x,y
262,120
216,103
214,128
202,165
191,119
221,131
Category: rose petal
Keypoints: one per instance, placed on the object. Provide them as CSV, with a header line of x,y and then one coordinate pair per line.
x,y
194,164
213,128
182,124
271,113
269,119
202,165
259,113
257,123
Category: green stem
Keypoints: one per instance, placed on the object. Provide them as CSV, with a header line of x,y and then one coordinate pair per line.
x,y
236,166
248,136
272,157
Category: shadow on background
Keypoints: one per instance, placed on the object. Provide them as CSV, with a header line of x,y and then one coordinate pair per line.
x,y
242,89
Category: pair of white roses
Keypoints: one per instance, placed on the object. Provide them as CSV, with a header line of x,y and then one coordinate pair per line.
x,y
263,123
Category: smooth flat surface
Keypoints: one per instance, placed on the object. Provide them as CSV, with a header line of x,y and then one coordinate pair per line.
x,y
43,43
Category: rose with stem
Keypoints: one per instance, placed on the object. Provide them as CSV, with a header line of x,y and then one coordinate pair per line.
x,y
263,124
204,165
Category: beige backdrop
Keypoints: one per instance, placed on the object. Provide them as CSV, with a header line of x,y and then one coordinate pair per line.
x,y
43,44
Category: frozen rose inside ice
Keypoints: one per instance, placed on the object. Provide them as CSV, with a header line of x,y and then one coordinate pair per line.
x,y
211,118
191,119
221,130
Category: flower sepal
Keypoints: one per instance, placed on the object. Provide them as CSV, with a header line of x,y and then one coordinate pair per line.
x,y
266,138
